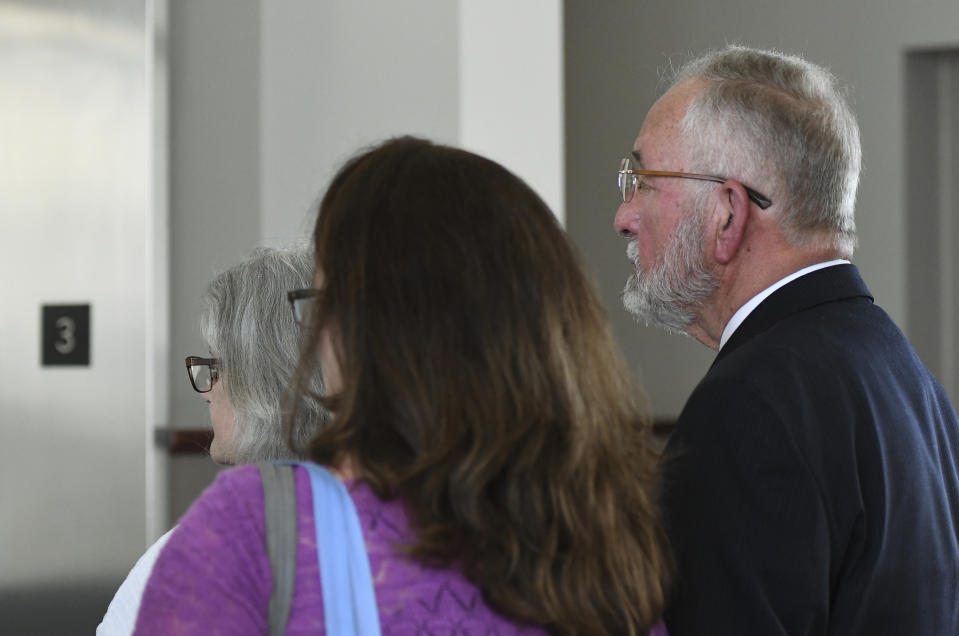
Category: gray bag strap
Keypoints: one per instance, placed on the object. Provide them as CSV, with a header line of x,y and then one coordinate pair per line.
x,y
279,498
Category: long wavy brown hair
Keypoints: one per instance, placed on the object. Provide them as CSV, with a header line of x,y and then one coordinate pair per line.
x,y
482,386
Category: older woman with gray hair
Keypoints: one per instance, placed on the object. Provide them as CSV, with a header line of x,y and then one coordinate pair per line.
x,y
254,347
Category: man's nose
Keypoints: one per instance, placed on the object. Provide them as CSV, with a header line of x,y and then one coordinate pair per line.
x,y
625,221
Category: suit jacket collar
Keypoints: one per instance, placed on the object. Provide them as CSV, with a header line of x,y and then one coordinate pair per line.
x,y
821,286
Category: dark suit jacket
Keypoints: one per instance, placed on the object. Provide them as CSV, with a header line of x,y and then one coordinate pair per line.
x,y
812,481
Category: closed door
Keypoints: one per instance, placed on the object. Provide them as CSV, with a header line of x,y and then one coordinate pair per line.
x,y
77,245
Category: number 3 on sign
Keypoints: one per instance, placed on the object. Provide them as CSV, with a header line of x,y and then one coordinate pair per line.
x,y
67,341
65,335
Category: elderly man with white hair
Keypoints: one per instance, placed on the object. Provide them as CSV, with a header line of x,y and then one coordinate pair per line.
x,y
811,485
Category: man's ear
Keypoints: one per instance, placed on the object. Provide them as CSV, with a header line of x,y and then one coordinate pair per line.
x,y
733,216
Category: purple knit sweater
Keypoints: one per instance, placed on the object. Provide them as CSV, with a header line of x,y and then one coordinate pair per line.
x,y
214,577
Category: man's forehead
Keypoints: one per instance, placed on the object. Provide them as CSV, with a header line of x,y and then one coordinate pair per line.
x,y
658,140
669,109
653,146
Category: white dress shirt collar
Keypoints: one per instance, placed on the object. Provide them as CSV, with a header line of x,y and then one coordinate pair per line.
x,y
753,302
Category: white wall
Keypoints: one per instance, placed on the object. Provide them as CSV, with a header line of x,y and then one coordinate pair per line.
x,y
511,89
157,275
339,75
214,169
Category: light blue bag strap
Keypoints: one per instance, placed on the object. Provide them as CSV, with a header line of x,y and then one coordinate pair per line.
x,y
349,600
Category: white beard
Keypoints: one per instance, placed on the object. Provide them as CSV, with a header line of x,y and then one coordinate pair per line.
x,y
672,293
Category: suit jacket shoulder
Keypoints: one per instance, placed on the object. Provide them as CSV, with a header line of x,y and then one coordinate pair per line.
x,y
779,476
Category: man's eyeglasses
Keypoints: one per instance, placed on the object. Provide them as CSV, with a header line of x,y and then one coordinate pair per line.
x,y
628,180
303,303
203,372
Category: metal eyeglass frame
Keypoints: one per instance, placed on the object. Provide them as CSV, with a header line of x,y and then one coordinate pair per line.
x,y
627,187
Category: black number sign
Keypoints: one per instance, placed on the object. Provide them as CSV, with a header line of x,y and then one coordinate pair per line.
x,y
65,333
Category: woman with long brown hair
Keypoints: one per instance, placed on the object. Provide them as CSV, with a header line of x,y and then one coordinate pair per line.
x,y
483,419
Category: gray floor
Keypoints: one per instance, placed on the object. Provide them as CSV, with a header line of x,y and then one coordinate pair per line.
x,y
54,610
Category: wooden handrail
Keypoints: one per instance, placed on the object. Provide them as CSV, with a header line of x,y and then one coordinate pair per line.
x,y
184,441
193,441
663,427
